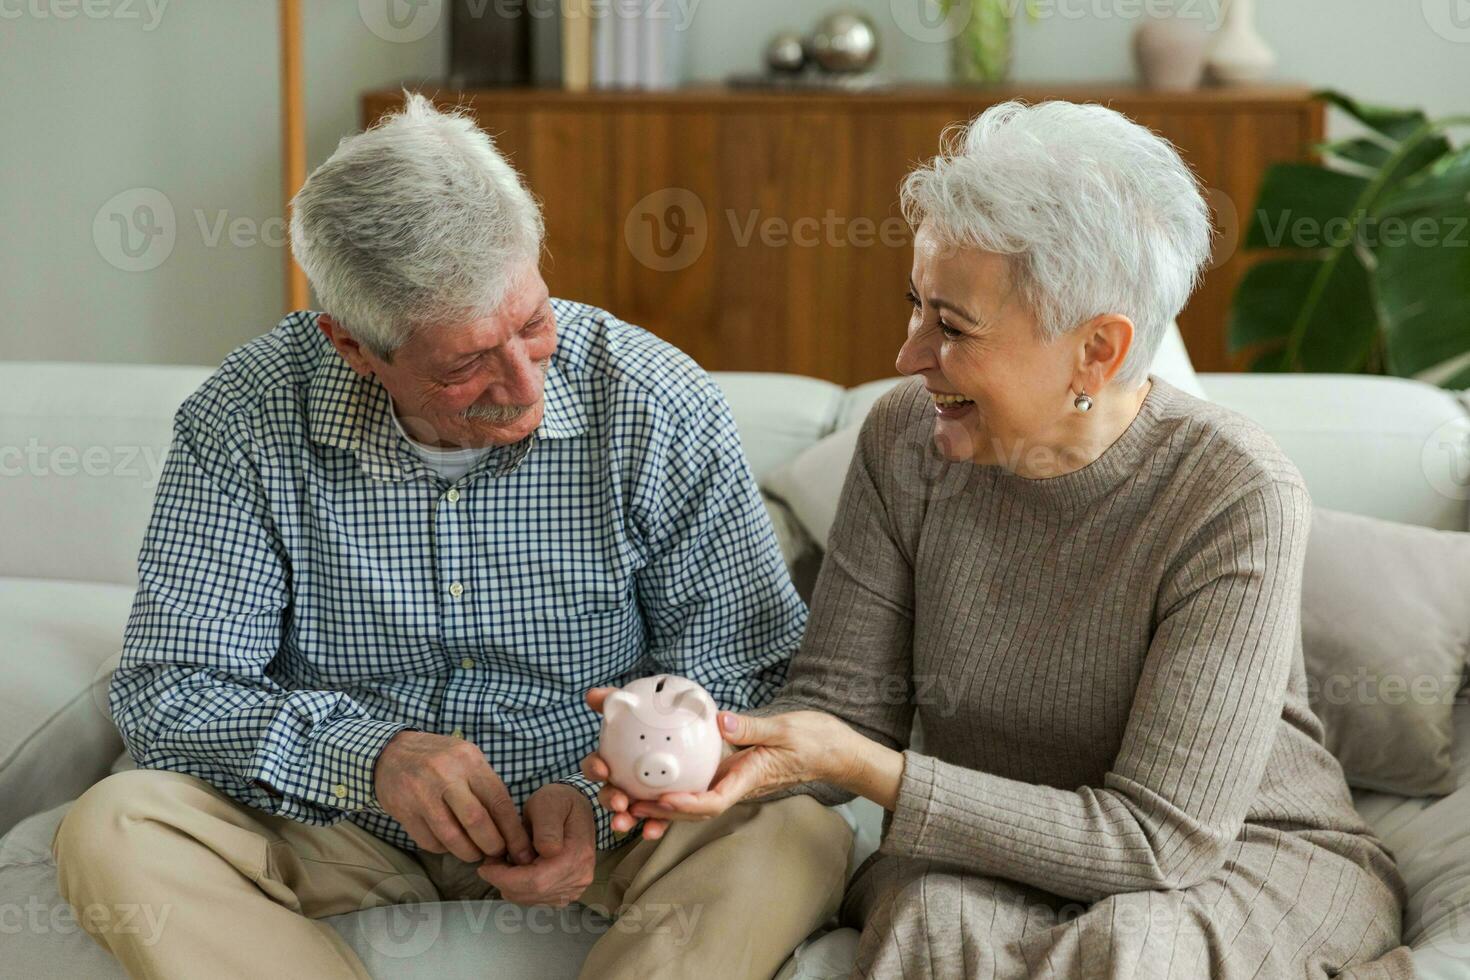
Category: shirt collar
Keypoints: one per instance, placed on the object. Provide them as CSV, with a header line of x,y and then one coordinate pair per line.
x,y
564,416
351,412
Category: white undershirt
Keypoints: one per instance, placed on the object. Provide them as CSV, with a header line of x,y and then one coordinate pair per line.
x,y
450,464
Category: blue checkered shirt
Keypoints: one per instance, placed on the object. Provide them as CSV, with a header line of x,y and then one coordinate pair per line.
x,y
308,588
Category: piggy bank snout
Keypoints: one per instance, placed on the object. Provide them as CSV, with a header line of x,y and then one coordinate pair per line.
x,y
657,768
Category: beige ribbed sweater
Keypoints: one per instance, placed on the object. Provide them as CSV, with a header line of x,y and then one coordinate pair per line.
x,y
1107,666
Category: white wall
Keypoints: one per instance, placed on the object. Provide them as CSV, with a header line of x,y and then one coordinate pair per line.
x,y
182,98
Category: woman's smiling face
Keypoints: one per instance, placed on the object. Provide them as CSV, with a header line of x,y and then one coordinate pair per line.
x,y
998,389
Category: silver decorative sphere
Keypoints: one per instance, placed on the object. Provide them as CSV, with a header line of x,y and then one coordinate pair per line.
x,y
844,41
785,53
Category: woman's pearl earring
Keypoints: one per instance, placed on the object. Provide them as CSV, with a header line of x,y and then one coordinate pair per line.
x,y
1083,402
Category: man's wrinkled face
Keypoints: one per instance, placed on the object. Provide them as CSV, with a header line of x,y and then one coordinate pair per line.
x,y
471,384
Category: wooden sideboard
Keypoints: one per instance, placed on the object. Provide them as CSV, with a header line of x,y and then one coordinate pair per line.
x,y
760,230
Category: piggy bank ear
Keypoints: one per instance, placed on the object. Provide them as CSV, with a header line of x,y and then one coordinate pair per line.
x,y
617,703
690,700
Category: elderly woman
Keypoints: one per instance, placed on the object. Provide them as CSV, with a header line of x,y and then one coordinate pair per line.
x,y
1091,601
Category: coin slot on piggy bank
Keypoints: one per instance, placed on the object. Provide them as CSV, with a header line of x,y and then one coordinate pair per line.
x,y
659,735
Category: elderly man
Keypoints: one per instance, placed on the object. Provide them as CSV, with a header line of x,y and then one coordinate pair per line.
x,y
393,545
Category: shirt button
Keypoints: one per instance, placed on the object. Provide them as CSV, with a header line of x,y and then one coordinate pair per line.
x,y
452,496
467,663
458,733
456,590
340,791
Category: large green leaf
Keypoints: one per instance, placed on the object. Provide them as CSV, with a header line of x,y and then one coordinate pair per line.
x,y
1364,152
1342,325
1458,381
1298,203
1267,302
1446,184
1426,151
1271,361
1396,124
1422,248
1277,296
1372,266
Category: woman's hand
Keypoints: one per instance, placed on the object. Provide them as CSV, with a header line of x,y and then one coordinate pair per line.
x,y
780,751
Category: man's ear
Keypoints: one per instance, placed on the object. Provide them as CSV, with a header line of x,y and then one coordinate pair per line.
x,y
352,352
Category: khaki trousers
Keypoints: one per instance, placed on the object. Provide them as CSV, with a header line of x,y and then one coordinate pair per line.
x,y
211,887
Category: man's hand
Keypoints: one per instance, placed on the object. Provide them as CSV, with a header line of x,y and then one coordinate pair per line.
x,y
564,833
448,798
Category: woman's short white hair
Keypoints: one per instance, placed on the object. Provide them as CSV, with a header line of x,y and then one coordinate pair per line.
x,y
1095,213
416,221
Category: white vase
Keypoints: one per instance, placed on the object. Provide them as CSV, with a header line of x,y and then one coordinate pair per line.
x,y
1169,54
1239,53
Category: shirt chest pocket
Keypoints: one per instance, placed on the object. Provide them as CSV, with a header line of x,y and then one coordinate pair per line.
x,y
562,628
579,582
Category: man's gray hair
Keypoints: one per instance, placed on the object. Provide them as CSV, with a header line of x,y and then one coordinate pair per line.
x,y
1095,213
416,221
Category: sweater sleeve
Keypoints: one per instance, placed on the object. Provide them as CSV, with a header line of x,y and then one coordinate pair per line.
x,y
1203,722
855,658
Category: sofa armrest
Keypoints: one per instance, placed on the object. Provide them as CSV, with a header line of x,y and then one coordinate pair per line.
x,y
72,747
62,640
1391,448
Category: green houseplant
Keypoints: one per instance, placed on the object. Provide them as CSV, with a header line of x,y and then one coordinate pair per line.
x,y
1367,264
980,52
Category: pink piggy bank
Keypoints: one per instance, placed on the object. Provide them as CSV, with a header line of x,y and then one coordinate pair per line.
x,y
659,735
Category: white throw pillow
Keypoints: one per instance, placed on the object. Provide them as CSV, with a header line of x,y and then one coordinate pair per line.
x,y
811,483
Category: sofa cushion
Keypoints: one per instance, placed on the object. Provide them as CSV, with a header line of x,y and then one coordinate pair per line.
x,y
778,415
56,738
1393,448
459,940
803,556
1172,363
47,940
480,940
1385,632
1430,840
811,484
88,441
